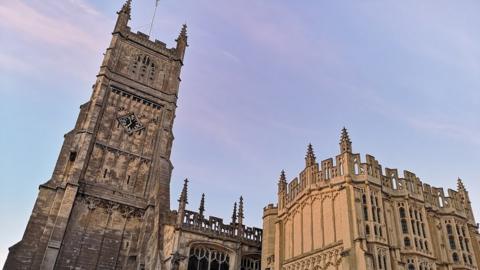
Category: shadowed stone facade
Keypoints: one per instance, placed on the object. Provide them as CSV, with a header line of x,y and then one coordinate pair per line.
x,y
343,213
107,205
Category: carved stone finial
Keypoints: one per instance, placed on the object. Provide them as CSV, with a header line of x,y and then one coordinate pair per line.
x,y
234,215
282,182
123,17
184,195
182,42
283,178
183,32
201,209
460,186
310,158
127,7
345,143
240,211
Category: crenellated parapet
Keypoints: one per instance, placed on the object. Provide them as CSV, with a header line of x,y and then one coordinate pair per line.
x,y
349,212
350,167
215,227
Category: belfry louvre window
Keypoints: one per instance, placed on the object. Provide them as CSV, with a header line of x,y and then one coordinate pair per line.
x,y
207,258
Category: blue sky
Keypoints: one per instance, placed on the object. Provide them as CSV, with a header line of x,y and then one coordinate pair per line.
x,y
261,80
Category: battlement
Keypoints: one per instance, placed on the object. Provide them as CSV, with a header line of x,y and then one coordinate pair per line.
x,y
157,45
143,39
349,167
214,226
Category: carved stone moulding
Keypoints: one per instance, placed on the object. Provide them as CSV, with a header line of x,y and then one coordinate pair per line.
x,y
321,260
109,207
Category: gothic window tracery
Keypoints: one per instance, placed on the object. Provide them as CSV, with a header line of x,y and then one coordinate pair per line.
x,y
250,263
143,68
455,257
407,242
208,258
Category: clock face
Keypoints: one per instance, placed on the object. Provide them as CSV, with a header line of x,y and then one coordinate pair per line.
x,y
131,123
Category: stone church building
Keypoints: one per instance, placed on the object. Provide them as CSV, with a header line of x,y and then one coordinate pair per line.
x,y
107,204
345,213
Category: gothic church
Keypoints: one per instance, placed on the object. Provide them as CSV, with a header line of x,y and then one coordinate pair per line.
x,y
107,205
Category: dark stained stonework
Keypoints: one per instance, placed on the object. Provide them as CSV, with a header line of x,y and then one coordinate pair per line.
x,y
109,196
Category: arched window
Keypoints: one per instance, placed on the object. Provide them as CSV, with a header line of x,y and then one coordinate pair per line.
x,y
375,230
367,230
365,213
407,242
404,226
250,263
364,199
411,267
455,257
143,68
207,258
449,229
451,241
402,212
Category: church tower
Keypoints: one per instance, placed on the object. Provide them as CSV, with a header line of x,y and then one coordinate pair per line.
x,y
108,198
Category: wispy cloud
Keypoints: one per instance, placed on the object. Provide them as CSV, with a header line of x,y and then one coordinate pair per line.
x,y
23,19
36,31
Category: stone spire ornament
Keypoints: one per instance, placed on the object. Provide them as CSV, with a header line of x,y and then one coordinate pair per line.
x,y
123,17
127,7
460,186
345,143
310,158
282,182
184,195
234,215
201,209
182,42
182,203
240,212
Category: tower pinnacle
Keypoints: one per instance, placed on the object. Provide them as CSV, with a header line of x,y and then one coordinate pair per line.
x,y
127,7
345,143
234,215
123,16
460,186
184,195
201,209
282,182
240,211
182,42
310,157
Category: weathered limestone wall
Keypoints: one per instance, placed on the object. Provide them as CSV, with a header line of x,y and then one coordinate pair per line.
x,y
353,215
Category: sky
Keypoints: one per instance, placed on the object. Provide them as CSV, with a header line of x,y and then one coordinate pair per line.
x,y
261,80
